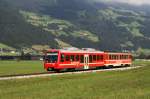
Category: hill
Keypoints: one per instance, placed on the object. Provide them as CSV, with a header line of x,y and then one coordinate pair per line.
x,y
100,25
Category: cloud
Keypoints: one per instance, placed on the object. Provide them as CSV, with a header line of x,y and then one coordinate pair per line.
x,y
133,2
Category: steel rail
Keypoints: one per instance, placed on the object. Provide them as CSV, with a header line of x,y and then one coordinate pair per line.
x,y
45,74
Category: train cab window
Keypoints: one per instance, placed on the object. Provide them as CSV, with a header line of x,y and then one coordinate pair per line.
x,y
82,59
62,57
72,58
94,57
90,58
67,57
77,57
51,57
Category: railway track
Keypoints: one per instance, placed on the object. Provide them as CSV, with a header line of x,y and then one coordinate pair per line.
x,y
45,74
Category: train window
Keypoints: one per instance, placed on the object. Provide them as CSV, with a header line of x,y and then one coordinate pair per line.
x,y
81,59
94,57
90,58
67,57
126,56
113,56
101,57
121,56
72,58
77,57
62,57
98,57
130,56
110,57
117,57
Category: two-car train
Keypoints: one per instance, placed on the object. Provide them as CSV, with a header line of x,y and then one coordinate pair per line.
x,y
62,59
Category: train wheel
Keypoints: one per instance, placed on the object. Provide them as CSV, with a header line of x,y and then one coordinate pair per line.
x,y
108,67
71,69
127,65
50,69
60,70
99,67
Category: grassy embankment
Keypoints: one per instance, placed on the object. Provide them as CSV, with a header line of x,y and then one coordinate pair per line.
x,y
130,84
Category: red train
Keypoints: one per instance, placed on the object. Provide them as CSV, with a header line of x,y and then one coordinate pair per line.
x,y
61,59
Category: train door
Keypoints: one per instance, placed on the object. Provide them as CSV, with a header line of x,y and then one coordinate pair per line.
x,y
86,61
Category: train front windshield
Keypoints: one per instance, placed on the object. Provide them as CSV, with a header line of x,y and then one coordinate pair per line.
x,y
51,57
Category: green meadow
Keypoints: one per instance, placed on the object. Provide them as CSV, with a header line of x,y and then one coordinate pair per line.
x,y
20,67
129,84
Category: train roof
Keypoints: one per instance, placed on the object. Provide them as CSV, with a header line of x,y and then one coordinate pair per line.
x,y
76,51
80,51
118,53
84,50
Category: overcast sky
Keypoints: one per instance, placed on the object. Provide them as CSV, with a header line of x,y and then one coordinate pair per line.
x,y
134,2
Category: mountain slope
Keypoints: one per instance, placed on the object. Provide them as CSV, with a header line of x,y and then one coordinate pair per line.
x,y
16,32
78,23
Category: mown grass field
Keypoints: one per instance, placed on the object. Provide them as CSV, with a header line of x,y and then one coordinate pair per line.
x,y
130,84
21,67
